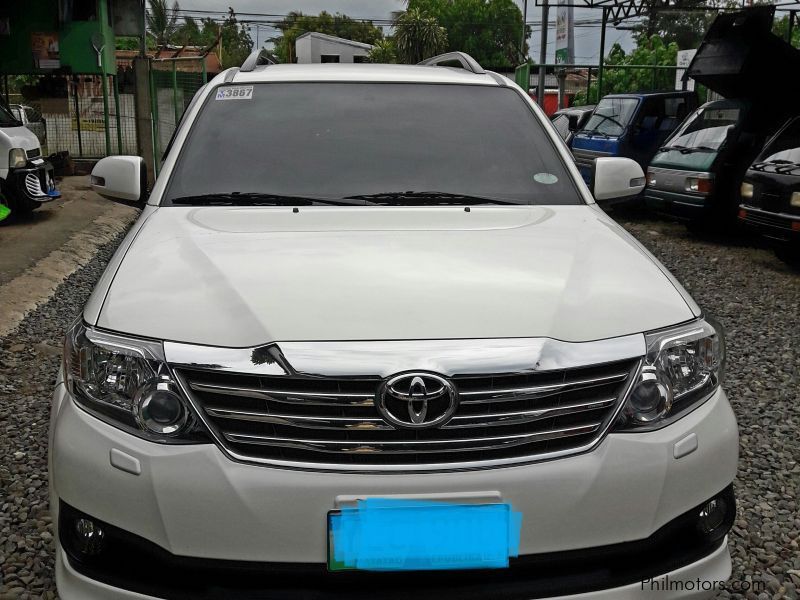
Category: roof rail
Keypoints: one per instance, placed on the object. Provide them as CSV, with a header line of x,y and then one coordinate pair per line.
x,y
465,60
256,58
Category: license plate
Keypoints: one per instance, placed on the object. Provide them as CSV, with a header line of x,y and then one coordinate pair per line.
x,y
384,534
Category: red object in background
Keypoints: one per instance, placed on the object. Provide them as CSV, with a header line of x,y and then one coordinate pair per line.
x,y
551,101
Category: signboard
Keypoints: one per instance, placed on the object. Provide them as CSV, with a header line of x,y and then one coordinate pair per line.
x,y
682,62
128,17
565,34
44,47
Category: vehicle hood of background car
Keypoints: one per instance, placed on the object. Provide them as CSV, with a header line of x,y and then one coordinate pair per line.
x,y
242,276
19,137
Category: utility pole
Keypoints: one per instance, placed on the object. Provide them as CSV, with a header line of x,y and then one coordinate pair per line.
x,y
543,54
524,31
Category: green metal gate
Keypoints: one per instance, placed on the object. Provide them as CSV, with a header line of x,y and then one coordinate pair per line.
x,y
173,83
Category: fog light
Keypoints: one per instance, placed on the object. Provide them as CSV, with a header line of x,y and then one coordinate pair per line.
x,y
89,537
160,409
651,398
712,516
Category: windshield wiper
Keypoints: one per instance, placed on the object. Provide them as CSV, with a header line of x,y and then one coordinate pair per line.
x,y
687,149
595,132
780,165
255,199
431,198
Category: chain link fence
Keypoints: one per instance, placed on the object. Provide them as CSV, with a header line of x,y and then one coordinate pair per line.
x,y
92,116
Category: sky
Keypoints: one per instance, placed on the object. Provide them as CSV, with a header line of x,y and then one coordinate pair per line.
x,y
587,39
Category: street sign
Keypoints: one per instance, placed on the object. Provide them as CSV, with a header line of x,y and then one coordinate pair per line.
x,y
565,35
682,62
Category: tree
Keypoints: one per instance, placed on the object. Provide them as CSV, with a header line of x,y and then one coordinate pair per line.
x,y
162,21
418,36
231,38
650,51
488,30
296,24
383,51
781,29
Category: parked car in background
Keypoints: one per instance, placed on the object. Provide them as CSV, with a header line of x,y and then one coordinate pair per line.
x,y
697,174
32,119
308,376
26,178
630,125
770,192
571,119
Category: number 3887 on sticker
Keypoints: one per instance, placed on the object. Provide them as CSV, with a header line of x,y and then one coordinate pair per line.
x,y
237,92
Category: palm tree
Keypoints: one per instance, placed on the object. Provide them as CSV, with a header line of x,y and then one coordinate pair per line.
x,y
162,22
383,51
418,36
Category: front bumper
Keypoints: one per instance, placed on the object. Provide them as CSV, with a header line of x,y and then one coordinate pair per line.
x,y
779,227
192,501
682,206
699,580
32,183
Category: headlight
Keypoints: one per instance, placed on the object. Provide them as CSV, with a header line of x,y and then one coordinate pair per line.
x,y
746,191
651,178
17,158
126,382
794,200
682,368
699,185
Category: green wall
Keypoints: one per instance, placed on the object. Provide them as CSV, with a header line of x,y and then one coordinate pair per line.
x,y
74,38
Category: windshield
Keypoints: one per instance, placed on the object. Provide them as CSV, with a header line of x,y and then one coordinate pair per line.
x,y
706,128
421,143
6,118
785,148
611,116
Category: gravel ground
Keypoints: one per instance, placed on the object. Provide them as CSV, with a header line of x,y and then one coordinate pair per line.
x,y
747,289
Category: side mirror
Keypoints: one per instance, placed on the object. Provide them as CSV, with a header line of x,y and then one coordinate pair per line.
x,y
616,177
121,178
573,122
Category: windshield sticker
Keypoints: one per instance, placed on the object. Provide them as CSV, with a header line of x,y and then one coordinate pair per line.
x,y
545,178
239,92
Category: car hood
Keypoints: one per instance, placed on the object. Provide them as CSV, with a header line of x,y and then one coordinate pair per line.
x,y
18,137
240,277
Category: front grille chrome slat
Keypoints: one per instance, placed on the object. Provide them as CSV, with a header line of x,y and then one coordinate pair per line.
x,y
413,446
288,397
525,416
482,396
300,420
335,422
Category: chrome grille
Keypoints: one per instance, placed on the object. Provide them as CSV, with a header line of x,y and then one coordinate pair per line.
x,y
586,158
334,421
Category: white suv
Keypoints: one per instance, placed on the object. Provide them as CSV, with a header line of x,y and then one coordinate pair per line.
x,y
372,338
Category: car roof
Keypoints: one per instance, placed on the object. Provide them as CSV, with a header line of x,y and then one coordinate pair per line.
x,y
329,72
650,94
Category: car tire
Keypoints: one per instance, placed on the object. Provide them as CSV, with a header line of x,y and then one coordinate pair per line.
x,y
790,255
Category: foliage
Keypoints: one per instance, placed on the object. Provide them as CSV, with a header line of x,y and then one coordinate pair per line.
x,y
383,51
781,29
650,51
296,24
233,40
489,30
418,36
162,21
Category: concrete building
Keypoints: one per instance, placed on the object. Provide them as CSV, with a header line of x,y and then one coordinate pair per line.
x,y
316,47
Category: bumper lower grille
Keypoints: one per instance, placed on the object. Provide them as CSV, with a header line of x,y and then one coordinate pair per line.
x,y
334,421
